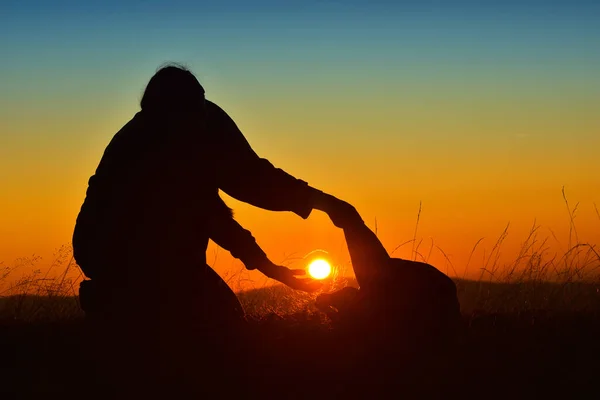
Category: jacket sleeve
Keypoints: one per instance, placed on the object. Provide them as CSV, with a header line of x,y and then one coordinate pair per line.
x,y
226,232
245,176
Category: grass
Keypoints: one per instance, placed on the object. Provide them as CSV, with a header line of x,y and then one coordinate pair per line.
x,y
532,323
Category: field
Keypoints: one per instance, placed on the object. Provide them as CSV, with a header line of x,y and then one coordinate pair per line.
x,y
530,332
534,348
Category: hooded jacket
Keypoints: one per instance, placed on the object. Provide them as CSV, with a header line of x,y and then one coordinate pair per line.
x,y
154,198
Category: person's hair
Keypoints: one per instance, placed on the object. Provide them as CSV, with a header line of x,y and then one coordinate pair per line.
x,y
173,88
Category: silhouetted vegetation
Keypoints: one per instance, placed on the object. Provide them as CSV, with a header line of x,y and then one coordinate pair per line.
x,y
531,329
516,335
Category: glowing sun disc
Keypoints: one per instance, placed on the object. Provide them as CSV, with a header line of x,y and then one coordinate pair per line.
x,y
319,269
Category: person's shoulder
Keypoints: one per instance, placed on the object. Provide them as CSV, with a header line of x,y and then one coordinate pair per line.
x,y
213,108
134,124
218,116
137,119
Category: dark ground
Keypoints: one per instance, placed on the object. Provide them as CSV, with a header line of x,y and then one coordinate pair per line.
x,y
526,353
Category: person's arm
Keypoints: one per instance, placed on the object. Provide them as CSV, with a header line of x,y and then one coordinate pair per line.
x,y
245,176
226,232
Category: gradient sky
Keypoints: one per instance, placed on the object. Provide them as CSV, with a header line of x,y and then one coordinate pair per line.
x,y
480,110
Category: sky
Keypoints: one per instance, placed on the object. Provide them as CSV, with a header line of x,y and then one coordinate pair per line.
x,y
477,112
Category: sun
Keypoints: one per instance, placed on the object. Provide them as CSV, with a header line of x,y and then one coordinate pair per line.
x,y
319,269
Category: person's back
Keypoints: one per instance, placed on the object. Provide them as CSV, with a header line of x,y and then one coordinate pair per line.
x,y
145,193
141,236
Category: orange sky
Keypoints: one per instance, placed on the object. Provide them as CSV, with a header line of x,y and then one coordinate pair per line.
x,y
472,173
467,192
482,120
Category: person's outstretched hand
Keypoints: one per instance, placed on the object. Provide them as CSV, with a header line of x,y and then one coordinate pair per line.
x,y
290,278
341,213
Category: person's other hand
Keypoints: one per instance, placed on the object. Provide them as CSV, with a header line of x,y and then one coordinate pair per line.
x,y
290,278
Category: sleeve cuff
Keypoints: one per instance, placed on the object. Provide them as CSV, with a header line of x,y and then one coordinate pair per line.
x,y
305,209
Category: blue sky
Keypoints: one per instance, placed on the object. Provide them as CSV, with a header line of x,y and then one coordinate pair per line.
x,y
331,41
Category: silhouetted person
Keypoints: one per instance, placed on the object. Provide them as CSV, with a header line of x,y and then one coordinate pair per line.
x,y
150,209
403,310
